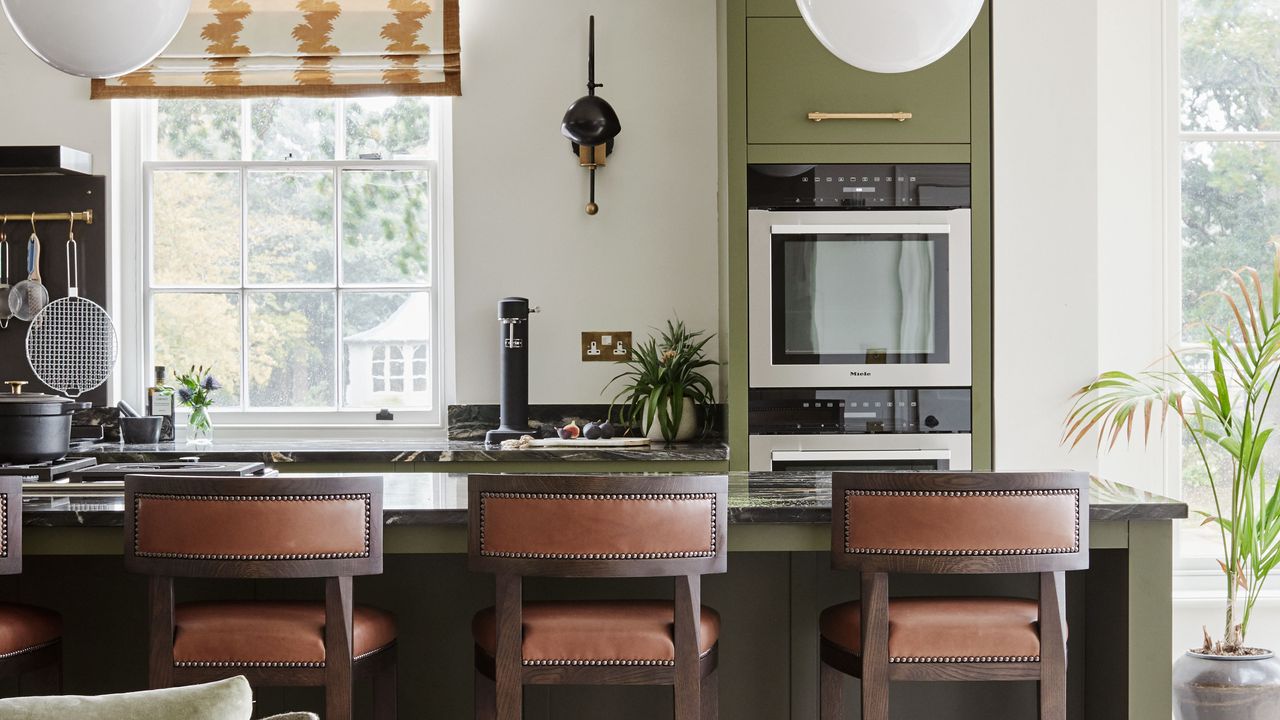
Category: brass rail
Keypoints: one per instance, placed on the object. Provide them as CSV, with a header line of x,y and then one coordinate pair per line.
x,y
85,217
899,116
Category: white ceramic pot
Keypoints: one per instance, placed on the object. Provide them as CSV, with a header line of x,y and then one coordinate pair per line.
x,y
688,424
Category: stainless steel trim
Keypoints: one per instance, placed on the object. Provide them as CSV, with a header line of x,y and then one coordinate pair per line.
x,y
763,450
763,373
859,455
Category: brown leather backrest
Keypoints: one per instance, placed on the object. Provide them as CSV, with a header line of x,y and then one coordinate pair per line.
x,y
288,526
10,525
581,526
952,522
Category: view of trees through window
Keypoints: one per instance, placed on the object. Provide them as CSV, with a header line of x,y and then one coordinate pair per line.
x,y
290,242
1229,116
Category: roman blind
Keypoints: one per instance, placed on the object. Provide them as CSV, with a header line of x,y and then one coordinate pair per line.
x,y
318,48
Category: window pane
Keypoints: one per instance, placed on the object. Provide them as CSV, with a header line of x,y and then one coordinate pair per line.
x,y
1230,210
380,333
1230,77
392,128
196,228
291,227
291,349
200,329
198,130
386,226
292,129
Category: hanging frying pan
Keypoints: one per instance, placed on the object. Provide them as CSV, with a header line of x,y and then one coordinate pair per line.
x,y
71,345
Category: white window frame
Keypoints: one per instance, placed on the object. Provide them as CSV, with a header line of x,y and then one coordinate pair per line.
x,y
1194,577
133,145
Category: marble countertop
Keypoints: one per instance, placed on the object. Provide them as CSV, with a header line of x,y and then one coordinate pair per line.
x,y
278,452
441,499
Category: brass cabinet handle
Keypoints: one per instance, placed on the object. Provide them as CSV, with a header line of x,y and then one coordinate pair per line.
x,y
820,116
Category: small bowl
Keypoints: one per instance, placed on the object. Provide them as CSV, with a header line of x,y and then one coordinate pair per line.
x,y
141,430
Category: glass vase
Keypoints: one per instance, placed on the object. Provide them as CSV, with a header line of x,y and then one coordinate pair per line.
x,y
199,427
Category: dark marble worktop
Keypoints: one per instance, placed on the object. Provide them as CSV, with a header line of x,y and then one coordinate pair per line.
x,y
441,499
276,452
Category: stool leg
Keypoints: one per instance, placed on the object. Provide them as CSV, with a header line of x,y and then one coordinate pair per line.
x,y
831,701
711,696
1053,700
486,697
384,687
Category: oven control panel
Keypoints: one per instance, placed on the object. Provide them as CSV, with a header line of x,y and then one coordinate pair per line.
x,y
858,186
821,411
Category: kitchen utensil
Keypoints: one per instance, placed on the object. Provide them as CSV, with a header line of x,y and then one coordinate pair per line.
x,y
140,430
126,410
71,345
5,312
35,427
29,297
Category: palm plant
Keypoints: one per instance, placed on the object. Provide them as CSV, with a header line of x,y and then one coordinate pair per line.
x,y
1220,391
661,374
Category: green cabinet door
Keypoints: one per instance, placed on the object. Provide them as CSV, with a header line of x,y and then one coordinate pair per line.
x,y
790,74
772,8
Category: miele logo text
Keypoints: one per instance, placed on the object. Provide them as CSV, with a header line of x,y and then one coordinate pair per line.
x,y
860,373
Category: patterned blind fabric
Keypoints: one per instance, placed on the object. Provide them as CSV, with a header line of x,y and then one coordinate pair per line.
x,y
319,48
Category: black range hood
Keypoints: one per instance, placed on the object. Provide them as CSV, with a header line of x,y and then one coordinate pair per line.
x,y
44,160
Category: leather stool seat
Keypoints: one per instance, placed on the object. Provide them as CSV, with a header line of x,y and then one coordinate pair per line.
x,y
24,627
950,629
269,633
605,632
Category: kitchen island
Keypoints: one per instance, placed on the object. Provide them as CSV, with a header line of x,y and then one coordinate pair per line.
x,y
778,581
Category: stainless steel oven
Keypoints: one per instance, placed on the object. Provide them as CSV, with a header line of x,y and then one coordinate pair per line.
x,y
861,452
859,276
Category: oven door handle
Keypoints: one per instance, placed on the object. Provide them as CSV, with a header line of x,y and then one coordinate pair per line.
x,y
854,228
859,455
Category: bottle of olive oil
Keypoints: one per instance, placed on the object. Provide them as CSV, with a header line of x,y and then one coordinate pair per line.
x,y
160,402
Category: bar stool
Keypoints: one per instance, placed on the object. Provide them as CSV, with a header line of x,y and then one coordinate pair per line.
x,y
940,523
30,637
264,528
595,527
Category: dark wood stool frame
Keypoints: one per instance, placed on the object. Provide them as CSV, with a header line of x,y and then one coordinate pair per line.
x,y
340,670
500,680
44,663
873,665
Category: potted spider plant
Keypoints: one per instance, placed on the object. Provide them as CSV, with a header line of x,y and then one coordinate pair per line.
x,y
1219,392
663,387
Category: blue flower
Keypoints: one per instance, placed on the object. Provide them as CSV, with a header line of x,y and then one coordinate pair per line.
x,y
185,395
211,383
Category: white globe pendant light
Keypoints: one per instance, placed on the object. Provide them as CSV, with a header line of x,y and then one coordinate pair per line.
x,y
889,36
96,38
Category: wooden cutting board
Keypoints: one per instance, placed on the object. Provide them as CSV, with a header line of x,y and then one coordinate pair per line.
x,y
582,442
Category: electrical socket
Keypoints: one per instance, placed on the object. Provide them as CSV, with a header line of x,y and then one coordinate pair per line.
x,y
606,346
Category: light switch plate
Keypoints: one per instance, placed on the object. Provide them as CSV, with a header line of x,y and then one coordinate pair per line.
x,y
606,345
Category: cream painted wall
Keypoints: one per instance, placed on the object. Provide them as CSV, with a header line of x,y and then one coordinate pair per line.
x,y
1045,99
519,225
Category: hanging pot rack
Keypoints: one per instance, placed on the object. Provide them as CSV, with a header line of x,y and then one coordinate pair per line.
x,y
85,217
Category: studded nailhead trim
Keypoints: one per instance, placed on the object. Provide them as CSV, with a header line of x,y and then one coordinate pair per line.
x,y
977,659
365,497
959,551
715,517
4,525
603,663
31,649
264,664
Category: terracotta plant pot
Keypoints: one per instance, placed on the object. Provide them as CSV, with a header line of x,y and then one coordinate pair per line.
x,y
1216,687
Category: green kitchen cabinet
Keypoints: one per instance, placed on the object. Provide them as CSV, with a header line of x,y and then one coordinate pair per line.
x,y
772,8
790,74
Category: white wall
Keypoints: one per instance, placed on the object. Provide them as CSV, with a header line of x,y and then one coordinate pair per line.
x,y
1045,99
519,225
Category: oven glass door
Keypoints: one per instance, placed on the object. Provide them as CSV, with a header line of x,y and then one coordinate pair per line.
x,y
864,460
869,295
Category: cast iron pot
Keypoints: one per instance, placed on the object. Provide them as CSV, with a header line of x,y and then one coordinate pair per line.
x,y
1215,687
34,427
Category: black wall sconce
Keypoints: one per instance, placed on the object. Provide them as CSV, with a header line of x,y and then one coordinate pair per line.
x,y
591,124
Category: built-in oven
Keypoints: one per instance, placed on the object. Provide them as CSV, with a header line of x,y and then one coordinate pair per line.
x,y
859,276
860,429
